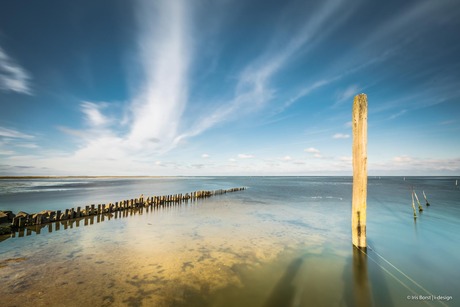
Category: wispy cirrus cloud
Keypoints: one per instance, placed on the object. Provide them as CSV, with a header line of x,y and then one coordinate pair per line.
x,y
27,145
429,96
165,52
12,140
6,152
305,92
253,89
93,113
152,124
12,76
155,111
404,25
166,55
336,76
349,92
341,136
398,114
11,133
346,94
389,30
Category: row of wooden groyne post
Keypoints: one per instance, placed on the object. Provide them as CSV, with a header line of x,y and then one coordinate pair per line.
x,y
23,219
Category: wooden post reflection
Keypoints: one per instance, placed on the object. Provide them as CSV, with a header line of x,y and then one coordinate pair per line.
x,y
361,287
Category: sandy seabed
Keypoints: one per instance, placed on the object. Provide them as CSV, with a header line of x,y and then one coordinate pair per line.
x,y
184,256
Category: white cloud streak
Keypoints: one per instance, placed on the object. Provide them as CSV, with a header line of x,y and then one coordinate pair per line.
x,y
315,152
253,89
402,159
404,165
341,136
6,152
156,110
10,138
93,114
12,76
245,156
305,92
10,133
347,94
387,30
165,52
397,114
312,150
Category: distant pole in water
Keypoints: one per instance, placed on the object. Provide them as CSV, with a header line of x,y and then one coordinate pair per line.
x,y
413,205
418,202
456,182
426,200
358,215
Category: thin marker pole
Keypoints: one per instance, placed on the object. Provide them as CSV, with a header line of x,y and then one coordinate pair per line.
x,y
418,202
413,205
426,200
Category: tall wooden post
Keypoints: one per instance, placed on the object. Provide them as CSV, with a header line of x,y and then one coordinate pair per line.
x,y
358,217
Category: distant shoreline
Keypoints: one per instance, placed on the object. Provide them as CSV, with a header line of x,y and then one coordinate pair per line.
x,y
185,176
78,177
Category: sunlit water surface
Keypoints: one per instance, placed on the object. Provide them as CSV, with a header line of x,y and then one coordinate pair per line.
x,y
285,241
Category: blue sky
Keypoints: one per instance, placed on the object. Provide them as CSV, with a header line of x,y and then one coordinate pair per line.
x,y
227,87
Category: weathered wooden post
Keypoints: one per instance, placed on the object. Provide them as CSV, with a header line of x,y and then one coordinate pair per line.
x,y
420,209
358,214
413,205
426,200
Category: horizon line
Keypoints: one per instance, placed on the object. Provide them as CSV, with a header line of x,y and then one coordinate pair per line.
x,y
173,176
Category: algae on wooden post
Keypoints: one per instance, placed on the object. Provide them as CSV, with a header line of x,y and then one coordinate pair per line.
x,y
359,124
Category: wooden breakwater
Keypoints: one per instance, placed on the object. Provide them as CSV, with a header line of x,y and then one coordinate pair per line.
x,y
10,222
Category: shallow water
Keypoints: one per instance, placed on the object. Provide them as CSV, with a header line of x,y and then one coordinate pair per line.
x,y
283,242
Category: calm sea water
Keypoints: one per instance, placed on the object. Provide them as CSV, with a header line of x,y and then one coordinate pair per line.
x,y
285,241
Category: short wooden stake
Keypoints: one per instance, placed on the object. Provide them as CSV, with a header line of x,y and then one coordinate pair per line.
x,y
418,202
358,218
426,200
